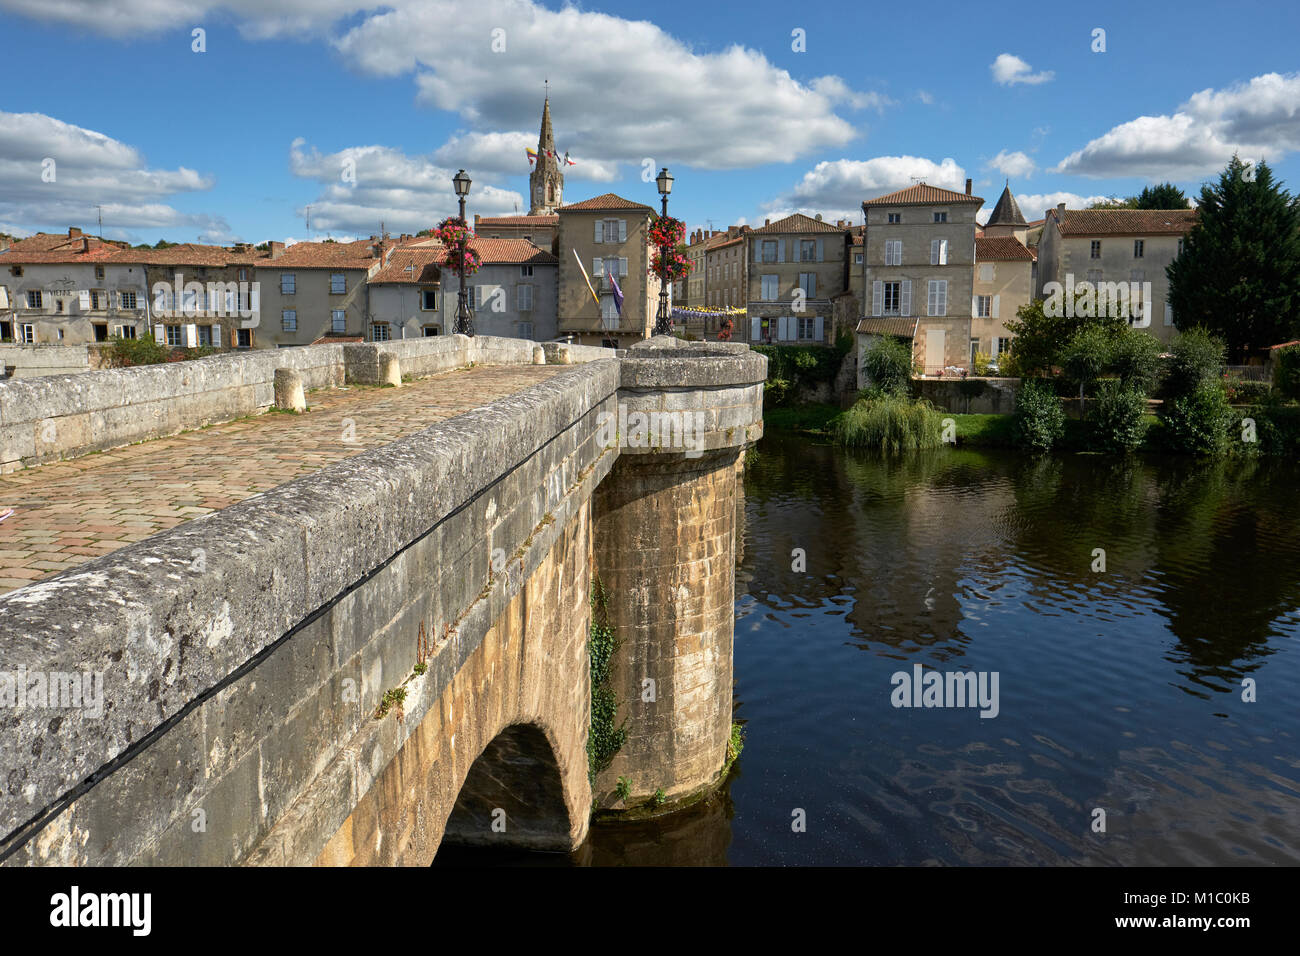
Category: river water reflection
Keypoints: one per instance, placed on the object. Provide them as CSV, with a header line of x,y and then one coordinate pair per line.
x,y
1119,689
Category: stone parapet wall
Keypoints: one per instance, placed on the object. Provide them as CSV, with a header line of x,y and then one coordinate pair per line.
x,y
226,643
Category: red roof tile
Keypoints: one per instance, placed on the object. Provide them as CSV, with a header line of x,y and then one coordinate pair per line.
x,y
51,247
799,223
516,221
1126,222
326,255
605,201
1001,249
922,195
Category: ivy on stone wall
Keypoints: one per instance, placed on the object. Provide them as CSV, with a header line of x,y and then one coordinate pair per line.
x,y
605,737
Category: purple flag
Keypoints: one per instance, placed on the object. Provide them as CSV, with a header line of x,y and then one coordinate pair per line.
x,y
618,293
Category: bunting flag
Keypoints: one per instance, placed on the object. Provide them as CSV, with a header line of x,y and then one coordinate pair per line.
x,y
618,293
586,278
532,154
569,162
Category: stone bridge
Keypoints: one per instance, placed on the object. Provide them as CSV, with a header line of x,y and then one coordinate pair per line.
x,y
233,635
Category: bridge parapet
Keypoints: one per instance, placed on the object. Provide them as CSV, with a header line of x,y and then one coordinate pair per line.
x,y
245,654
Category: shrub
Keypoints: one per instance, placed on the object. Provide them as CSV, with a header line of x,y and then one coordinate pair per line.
x,y
889,366
1196,358
1277,429
891,423
1085,357
1135,360
981,362
1116,417
1286,372
1247,393
142,351
1039,420
1197,422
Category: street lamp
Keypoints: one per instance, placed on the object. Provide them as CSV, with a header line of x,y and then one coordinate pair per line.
x,y
464,321
663,324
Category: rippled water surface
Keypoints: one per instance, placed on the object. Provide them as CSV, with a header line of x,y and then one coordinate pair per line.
x,y
1119,690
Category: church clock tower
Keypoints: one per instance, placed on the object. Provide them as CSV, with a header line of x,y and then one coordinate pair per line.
x,y
546,183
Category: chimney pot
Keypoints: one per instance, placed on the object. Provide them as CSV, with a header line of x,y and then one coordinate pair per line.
x,y
967,187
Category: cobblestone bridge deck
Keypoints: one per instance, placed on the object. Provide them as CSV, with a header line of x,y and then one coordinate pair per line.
x,y
65,513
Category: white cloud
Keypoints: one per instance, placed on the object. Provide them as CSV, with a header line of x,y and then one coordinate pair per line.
x,y
366,185
636,92
1013,164
924,97
1009,70
257,18
837,188
90,169
1254,119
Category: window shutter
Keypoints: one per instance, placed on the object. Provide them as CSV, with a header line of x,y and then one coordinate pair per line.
x,y
995,305
818,326
216,335
780,250
191,336
995,346
83,300
877,297
781,329
622,266
230,302
934,252
905,300
598,272
622,230
812,285
600,231
758,250
821,252
943,252
1169,313
975,306
160,334
755,329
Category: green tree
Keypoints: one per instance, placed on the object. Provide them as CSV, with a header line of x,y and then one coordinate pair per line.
x,y
1085,357
1196,357
1163,196
1135,360
889,366
1041,337
1039,421
1117,418
1239,272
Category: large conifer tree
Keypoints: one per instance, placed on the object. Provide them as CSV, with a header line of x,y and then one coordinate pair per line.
x,y
1239,272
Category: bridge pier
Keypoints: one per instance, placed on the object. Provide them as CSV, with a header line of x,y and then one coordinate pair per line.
x,y
665,538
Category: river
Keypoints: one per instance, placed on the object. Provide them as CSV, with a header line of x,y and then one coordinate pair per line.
x,y
1120,691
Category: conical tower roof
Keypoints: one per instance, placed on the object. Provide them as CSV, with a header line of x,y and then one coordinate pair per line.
x,y
1006,212
547,139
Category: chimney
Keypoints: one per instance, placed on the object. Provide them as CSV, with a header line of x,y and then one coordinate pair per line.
x,y
73,232
476,218
967,187
1060,211
85,242
277,250
767,222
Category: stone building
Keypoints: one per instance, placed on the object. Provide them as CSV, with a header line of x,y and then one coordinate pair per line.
x,y
314,290
610,233
919,264
406,293
201,296
796,266
513,294
1003,283
70,290
1118,247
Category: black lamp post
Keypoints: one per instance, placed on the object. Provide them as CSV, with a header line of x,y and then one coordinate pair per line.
x,y
663,323
464,321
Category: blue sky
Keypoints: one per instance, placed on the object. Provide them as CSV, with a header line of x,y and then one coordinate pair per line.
x,y
290,96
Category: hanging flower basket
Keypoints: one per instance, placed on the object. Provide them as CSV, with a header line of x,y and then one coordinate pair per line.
x,y
674,268
666,231
454,233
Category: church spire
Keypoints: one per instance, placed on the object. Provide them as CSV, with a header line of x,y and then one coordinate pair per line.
x,y
546,183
